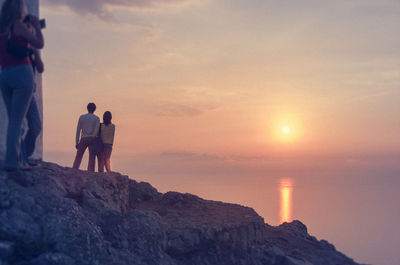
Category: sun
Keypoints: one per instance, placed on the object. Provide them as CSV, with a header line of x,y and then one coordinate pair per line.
x,y
286,129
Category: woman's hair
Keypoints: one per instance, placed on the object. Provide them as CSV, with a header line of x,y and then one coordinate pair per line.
x,y
11,11
107,117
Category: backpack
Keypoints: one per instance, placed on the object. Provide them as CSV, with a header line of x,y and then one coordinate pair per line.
x,y
98,145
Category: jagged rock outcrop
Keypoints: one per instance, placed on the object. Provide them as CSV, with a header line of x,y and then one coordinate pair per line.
x,y
60,216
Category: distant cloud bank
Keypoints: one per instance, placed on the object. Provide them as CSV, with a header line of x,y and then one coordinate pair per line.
x,y
101,8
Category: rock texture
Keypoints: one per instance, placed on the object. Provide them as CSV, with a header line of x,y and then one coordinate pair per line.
x,y
60,216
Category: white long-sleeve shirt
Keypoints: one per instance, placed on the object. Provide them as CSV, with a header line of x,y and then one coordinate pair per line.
x,y
87,124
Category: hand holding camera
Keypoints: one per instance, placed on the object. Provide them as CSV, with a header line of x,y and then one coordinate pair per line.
x,y
35,22
35,38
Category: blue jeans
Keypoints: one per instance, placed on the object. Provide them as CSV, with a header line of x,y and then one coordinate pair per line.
x,y
34,129
17,85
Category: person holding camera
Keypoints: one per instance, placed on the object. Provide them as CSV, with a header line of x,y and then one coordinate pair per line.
x,y
16,79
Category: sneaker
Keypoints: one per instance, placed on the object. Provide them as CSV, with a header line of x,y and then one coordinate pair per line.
x,y
33,164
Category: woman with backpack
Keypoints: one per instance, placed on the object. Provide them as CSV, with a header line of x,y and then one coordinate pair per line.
x,y
16,78
107,132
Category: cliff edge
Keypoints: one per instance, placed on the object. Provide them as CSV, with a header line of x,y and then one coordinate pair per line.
x,y
60,216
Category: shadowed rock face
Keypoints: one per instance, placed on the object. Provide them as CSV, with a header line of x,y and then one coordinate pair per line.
x,y
60,216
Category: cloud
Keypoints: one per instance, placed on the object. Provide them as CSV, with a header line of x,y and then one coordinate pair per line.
x,y
101,8
177,110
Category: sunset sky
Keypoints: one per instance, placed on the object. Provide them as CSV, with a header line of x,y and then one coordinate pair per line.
x,y
209,85
256,102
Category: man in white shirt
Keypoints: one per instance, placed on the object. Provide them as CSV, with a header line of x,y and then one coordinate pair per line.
x,y
86,130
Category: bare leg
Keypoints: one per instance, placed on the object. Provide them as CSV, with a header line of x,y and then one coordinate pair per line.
x,y
108,165
107,159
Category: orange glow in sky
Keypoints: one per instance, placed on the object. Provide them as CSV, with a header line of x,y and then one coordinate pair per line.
x,y
286,129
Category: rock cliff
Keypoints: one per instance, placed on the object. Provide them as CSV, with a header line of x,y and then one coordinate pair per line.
x,y
60,216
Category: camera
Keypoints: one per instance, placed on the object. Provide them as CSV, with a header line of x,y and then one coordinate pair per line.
x,y
42,22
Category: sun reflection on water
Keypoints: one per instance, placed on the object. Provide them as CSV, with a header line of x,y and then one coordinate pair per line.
x,y
286,189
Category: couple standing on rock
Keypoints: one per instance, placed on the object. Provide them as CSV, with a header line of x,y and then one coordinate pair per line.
x,y
98,137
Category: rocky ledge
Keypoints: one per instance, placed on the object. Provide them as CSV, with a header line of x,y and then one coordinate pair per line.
x,y
59,216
